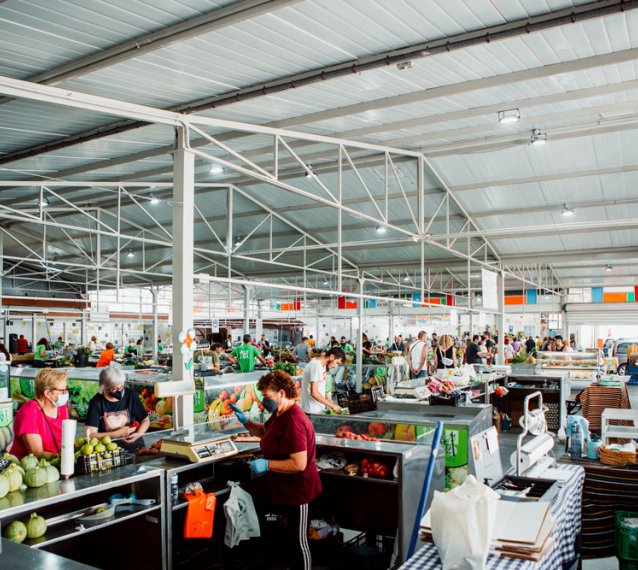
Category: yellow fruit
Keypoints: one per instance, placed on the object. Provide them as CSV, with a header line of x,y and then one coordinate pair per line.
x,y
106,440
86,449
111,446
100,448
160,408
94,441
79,442
405,433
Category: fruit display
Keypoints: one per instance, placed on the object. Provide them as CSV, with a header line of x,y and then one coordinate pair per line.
x,y
92,454
6,437
352,435
160,410
356,465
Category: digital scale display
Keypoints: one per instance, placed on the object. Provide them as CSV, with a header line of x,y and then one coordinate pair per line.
x,y
199,447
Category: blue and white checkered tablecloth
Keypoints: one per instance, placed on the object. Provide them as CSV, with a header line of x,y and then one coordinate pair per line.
x,y
566,507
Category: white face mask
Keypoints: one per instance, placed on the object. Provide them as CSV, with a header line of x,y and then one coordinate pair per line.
x,y
62,400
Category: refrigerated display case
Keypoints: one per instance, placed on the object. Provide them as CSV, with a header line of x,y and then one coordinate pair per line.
x,y
578,365
409,421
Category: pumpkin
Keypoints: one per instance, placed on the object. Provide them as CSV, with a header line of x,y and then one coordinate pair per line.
x,y
29,462
36,526
14,477
35,477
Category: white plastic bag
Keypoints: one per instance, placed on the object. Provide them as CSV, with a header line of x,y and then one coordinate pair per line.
x,y
242,522
462,524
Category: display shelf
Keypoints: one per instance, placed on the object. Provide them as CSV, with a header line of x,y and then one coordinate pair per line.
x,y
72,527
329,473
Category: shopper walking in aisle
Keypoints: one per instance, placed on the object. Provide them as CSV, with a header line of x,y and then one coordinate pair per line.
x,y
444,353
530,346
313,384
288,446
473,352
245,355
23,345
40,353
508,350
302,351
418,355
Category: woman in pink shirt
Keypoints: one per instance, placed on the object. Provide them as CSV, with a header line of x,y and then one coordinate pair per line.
x,y
38,423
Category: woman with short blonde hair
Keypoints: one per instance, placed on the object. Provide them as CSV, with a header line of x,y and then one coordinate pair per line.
x,y
38,423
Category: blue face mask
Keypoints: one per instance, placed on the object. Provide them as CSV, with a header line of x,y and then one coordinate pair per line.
x,y
270,405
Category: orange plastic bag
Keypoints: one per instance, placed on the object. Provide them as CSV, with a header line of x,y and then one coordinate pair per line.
x,y
200,514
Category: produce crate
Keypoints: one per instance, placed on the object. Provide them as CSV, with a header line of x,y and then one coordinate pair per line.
x,y
446,400
87,464
626,536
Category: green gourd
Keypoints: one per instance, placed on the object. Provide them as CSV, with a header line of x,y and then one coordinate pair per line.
x,y
35,477
4,487
29,462
36,526
16,531
14,477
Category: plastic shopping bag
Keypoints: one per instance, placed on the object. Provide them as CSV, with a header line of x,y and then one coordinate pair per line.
x,y
462,524
242,522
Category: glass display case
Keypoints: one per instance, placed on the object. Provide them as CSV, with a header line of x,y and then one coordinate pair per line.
x,y
579,365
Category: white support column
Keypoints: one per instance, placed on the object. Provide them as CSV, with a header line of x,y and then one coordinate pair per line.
x,y
3,336
155,327
34,332
83,332
501,317
247,310
229,240
359,341
183,215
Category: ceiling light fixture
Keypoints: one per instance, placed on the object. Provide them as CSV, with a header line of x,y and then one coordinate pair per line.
x,y
538,138
130,253
608,268
216,169
44,203
403,65
380,229
154,200
566,211
310,171
509,116
325,281
406,278
238,241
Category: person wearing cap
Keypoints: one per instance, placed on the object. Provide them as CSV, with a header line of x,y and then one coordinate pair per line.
x,y
245,355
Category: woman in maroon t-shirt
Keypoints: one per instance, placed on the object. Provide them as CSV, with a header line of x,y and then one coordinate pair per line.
x,y
288,446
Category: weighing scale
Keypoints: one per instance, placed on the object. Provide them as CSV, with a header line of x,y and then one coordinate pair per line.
x,y
199,447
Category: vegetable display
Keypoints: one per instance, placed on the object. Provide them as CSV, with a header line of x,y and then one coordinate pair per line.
x,y
16,531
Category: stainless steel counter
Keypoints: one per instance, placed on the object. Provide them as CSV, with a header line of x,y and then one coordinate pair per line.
x,y
14,555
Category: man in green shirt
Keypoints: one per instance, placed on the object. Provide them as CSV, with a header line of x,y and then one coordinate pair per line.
x,y
245,355
58,344
345,345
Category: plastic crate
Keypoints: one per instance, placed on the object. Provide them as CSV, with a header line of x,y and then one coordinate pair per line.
x,y
87,464
362,404
626,536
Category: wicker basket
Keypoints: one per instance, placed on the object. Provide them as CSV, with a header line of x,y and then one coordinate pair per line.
x,y
617,458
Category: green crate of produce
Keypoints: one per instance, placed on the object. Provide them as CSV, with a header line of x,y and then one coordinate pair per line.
x,y
627,535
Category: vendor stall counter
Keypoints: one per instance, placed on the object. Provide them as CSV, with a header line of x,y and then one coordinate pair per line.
x,y
137,531
408,421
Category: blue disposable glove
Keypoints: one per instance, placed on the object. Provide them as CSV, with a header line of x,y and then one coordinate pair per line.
x,y
241,416
259,466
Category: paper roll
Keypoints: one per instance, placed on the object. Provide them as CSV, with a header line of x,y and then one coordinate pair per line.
x,y
67,463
